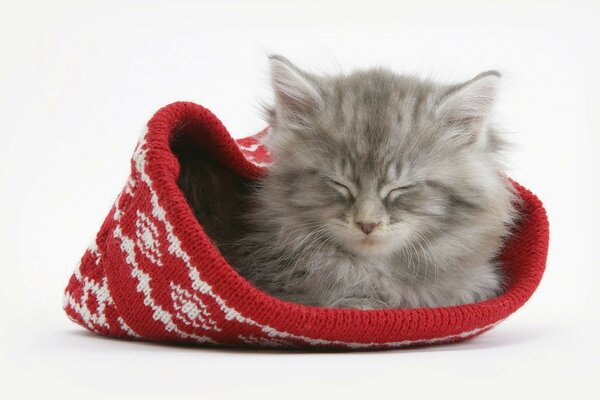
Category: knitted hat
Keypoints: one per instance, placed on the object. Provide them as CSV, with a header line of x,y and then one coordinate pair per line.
x,y
153,274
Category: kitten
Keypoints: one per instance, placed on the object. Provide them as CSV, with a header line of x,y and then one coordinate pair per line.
x,y
385,191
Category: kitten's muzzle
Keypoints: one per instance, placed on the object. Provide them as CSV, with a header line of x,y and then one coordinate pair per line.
x,y
367,227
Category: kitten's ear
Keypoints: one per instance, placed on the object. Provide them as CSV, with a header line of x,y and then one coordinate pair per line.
x,y
296,94
466,108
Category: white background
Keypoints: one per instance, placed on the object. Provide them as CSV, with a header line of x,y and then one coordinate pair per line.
x,y
79,81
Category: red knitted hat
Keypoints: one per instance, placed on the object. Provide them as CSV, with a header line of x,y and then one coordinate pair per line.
x,y
153,274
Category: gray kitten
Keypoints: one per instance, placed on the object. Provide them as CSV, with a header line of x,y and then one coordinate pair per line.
x,y
385,191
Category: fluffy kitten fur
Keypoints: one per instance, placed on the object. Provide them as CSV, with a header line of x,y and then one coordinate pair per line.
x,y
385,191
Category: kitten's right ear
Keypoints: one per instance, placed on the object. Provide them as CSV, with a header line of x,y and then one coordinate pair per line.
x,y
296,94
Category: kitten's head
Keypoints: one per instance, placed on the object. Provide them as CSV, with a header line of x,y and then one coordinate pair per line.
x,y
374,161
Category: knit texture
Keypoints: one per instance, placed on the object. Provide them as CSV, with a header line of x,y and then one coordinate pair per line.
x,y
153,274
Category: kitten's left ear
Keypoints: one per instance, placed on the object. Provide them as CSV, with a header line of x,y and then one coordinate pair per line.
x,y
466,108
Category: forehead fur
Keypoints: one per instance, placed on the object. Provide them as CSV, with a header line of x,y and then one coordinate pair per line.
x,y
371,119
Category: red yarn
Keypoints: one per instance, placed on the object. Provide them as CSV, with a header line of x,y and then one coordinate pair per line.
x,y
153,274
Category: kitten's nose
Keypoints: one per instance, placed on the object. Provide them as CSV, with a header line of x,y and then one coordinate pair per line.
x,y
367,227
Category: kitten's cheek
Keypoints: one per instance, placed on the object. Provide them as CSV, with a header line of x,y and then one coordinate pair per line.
x,y
401,233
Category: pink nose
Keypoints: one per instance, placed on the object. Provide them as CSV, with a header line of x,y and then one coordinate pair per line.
x,y
367,227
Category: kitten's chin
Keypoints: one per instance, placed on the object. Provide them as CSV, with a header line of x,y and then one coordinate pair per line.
x,y
370,246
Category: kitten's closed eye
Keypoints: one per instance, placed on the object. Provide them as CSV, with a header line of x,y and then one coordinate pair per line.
x,y
342,189
400,190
